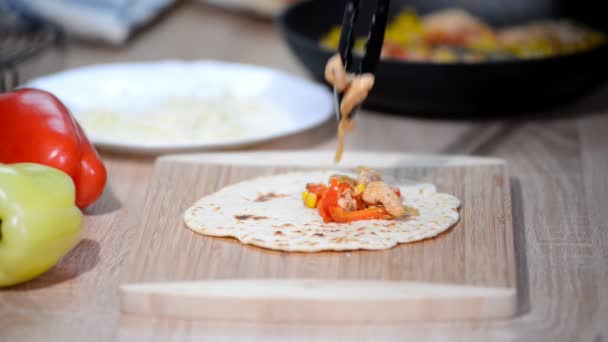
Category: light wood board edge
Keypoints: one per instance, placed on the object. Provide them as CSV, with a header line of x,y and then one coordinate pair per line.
x,y
508,224
325,159
310,300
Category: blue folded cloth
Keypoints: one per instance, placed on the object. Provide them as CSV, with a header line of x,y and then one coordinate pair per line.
x,y
111,21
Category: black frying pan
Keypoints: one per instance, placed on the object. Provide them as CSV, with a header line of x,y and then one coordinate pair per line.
x,y
462,88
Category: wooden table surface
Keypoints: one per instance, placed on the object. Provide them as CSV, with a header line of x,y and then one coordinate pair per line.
x,y
558,164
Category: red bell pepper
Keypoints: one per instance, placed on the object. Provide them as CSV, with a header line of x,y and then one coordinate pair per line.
x,y
36,127
330,198
376,213
317,189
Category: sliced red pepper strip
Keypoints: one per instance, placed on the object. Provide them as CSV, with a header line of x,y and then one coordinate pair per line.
x,y
36,127
316,188
375,213
333,195
329,198
322,209
360,203
333,192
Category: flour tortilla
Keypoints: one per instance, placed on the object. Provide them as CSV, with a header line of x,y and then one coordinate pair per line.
x,y
268,212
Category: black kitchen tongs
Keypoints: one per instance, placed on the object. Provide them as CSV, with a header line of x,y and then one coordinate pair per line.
x,y
373,46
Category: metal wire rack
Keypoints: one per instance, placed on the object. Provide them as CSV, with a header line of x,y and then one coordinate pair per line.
x,y
22,46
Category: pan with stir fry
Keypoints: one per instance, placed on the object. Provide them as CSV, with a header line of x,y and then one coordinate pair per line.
x,y
454,35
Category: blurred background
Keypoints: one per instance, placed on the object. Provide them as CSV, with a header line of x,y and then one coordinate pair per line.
x,y
39,37
505,56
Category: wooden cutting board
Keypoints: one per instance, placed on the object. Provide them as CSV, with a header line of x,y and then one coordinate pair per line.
x,y
467,272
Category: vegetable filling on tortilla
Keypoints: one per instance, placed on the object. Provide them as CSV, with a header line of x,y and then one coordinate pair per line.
x,y
346,199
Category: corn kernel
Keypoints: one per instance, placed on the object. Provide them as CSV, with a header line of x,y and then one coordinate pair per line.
x,y
359,189
444,55
304,196
311,200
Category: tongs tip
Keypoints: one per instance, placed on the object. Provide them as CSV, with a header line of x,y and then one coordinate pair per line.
x,y
373,47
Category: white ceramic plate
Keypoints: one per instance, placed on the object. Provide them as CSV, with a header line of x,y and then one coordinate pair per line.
x,y
131,87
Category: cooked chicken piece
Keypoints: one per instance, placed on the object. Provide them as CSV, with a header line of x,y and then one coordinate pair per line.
x,y
335,73
346,200
356,92
355,87
344,179
367,175
452,25
380,192
548,31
